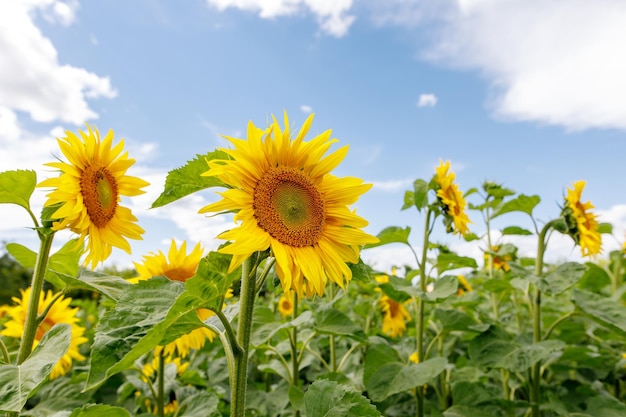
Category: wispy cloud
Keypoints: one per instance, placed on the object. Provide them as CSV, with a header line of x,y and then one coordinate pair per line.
x,y
392,186
305,108
427,100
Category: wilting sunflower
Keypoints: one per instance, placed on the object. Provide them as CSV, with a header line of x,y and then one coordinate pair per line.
x,y
451,200
582,223
286,199
395,314
60,312
285,304
89,192
177,266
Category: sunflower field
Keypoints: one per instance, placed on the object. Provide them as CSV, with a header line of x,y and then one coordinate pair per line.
x,y
285,319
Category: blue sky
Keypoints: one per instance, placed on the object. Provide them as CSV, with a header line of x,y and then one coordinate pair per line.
x,y
528,93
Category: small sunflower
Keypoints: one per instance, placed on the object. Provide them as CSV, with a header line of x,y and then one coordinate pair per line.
x,y
89,191
582,223
150,369
451,199
286,199
285,304
414,357
177,266
395,314
464,285
60,312
499,261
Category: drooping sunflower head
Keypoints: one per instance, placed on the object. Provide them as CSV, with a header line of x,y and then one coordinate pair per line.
x,y
286,199
59,312
89,190
177,266
451,200
581,222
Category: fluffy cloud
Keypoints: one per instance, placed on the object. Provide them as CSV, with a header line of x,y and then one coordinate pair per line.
x,y
427,100
332,15
305,108
31,78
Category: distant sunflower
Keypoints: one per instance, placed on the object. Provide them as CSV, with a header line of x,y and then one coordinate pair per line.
x,y
177,266
395,314
464,285
451,200
286,199
89,191
285,304
60,312
582,223
499,261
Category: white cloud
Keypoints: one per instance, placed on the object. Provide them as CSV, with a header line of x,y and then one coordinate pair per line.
x,y
392,186
548,61
427,100
332,15
305,108
31,78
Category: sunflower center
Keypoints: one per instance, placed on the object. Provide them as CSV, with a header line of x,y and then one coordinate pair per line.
x,y
289,207
179,274
99,190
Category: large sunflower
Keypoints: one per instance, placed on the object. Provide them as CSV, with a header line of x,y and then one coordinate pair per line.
x,y
286,199
451,199
582,223
177,266
89,191
60,312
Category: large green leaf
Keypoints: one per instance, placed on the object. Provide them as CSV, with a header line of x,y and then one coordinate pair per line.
x,y
443,288
20,382
326,398
155,312
335,322
522,203
202,404
603,310
108,285
449,261
64,261
16,187
392,234
564,277
99,410
523,357
595,278
458,320
187,179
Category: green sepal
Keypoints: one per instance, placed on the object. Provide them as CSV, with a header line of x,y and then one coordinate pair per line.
x,y
187,179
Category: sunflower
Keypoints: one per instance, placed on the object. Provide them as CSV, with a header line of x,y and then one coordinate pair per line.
x,y
60,312
464,285
451,199
395,314
177,266
499,261
150,368
285,304
286,199
89,191
582,223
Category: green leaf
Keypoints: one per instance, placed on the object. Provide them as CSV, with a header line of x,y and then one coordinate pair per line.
x,y
360,271
19,382
606,407
99,410
516,230
187,179
466,411
409,200
443,288
449,261
606,228
326,398
378,355
110,286
458,320
16,187
335,322
595,278
400,289
392,234
153,312
601,309
396,377
523,357
488,348
522,203
420,194
564,277
202,404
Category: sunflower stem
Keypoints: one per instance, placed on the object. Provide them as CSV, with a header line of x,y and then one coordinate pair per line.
x,y
535,392
246,310
419,326
5,352
333,354
295,362
161,385
31,324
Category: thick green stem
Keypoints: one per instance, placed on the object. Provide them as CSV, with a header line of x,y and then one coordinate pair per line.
x,y
161,386
535,389
333,354
295,360
419,323
31,324
246,310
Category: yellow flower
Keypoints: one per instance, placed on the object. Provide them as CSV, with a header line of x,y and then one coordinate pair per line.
x,y
451,199
285,304
414,357
582,223
286,199
60,312
177,266
150,368
499,262
89,191
394,321
464,285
